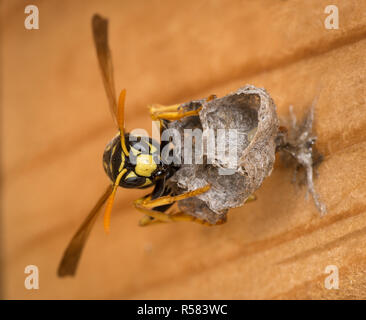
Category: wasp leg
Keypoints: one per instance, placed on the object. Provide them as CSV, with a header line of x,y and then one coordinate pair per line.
x,y
173,217
157,111
146,220
159,108
148,203
155,208
171,112
153,217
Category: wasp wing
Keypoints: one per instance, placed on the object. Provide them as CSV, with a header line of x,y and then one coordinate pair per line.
x,y
73,252
100,34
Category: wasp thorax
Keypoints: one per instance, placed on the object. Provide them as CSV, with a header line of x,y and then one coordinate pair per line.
x,y
141,166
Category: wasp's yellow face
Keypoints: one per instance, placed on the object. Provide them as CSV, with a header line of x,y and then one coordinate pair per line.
x,y
145,165
142,164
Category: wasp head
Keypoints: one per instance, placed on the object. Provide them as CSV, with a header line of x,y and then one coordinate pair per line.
x,y
141,165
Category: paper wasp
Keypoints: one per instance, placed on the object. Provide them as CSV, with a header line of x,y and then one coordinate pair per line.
x,y
129,163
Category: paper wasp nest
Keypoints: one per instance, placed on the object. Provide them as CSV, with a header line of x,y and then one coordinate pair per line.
x,y
249,151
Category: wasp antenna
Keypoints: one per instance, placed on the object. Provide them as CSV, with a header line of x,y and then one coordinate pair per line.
x,y
109,206
121,120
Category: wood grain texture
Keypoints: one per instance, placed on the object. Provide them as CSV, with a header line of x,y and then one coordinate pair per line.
x,y
55,124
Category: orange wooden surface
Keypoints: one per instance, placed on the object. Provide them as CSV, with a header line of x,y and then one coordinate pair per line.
x,y
55,124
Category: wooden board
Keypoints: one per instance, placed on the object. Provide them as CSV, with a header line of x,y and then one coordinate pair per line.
x,y
55,124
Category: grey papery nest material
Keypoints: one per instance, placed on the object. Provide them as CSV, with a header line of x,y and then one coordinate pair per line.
x,y
234,175
297,145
